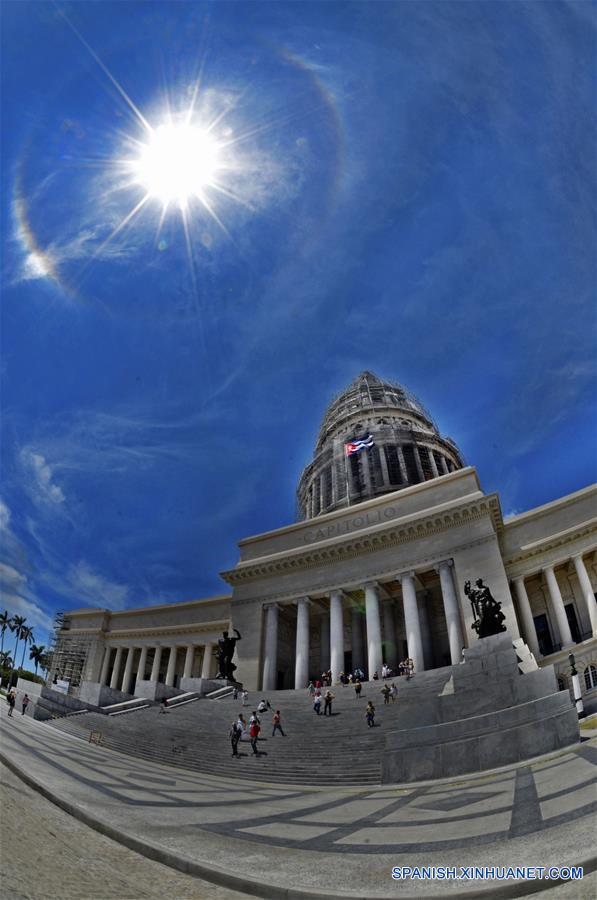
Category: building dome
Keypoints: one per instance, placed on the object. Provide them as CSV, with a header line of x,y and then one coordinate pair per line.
x,y
406,447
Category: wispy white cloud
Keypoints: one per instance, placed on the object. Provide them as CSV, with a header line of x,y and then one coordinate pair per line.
x,y
18,597
94,589
41,487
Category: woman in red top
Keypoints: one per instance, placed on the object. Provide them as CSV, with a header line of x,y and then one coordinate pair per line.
x,y
254,734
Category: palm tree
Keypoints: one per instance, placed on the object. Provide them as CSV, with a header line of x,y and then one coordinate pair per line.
x,y
5,622
27,638
37,653
17,625
5,660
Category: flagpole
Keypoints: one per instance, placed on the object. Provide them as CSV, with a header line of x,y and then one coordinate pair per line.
x,y
346,473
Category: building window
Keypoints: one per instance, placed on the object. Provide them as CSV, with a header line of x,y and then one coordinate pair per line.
x,y
561,683
393,465
573,622
412,472
327,487
590,677
356,474
543,634
375,467
425,463
341,477
316,497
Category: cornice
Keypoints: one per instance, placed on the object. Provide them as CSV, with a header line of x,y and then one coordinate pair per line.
x,y
323,588
165,630
415,527
153,631
552,506
530,552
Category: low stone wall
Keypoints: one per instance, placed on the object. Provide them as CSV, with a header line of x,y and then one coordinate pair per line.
x,y
96,694
494,709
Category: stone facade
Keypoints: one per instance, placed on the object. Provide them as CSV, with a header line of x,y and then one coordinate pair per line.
x,y
369,582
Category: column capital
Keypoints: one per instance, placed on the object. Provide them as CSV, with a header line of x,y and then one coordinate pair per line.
x,y
269,606
549,568
305,601
518,579
443,562
577,556
371,584
337,592
410,575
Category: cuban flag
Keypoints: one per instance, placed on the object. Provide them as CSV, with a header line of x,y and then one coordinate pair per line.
x,y
361,444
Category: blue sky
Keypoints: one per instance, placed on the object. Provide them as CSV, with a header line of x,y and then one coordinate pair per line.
x,y
403,187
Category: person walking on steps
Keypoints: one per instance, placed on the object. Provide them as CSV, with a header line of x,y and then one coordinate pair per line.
x,y
235,735
358,687
329,697
386,691
370,714
25,702
317,702
10,699
254,733
276,724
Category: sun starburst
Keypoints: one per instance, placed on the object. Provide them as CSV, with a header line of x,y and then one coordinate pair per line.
x,y
178,163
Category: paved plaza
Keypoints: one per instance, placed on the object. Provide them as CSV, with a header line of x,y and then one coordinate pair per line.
x,y
291,841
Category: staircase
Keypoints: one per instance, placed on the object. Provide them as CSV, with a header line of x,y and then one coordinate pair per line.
x,y
321,750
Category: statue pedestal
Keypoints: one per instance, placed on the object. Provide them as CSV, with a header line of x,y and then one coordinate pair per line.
x,y
495,708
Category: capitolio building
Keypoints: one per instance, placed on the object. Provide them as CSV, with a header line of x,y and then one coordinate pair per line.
x,y
393,524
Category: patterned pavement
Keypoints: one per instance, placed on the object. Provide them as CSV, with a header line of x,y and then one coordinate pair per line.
x,y
506,815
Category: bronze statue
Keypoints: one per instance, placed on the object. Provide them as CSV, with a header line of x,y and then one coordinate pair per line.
x,y
487,613
224,654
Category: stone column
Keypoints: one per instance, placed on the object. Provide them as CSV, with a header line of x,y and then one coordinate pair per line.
x,y
207,657
528,625
142,664
587,590
433,463
155,669
336,635
389,628
402,464
422,600
128,671
374,658
270,662
301,666
419,469
171,670
358,652
445,470
116,669
411,621
451,610
188,661
384,466
325,642
105,666
557,604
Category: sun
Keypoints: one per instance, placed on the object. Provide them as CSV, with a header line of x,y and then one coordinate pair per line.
x,y
178,163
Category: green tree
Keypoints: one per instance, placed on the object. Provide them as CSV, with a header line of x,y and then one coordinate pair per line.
x,y
37,654
5,622
27,638
17,626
